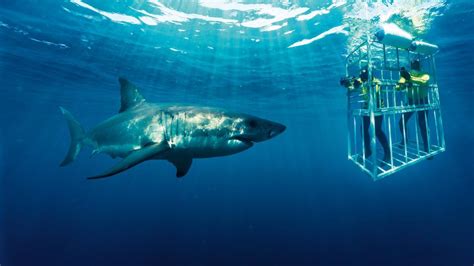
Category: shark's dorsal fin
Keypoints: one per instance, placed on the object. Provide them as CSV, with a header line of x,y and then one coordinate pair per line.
x,y
130,95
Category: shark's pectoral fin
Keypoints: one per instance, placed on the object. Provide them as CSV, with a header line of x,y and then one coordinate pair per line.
x,y
182,165
135,158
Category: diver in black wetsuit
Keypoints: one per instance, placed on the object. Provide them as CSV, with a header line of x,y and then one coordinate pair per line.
x,y
415,82
360,83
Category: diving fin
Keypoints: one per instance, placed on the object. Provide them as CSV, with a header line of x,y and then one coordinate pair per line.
x,y
135,158
182,165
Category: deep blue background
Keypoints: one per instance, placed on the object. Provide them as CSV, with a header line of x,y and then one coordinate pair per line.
x,y
294,200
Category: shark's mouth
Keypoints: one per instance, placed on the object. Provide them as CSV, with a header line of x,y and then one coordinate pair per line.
x,y
243,139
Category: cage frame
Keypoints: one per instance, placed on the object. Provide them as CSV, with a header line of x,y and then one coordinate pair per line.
x,y
372,166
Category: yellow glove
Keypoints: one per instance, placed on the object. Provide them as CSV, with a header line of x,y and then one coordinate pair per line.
x,y
421,79
401,84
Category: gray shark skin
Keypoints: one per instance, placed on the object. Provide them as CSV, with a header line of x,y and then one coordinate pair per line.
x,y
144,131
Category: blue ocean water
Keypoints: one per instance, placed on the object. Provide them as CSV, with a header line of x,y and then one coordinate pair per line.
x,y
293,200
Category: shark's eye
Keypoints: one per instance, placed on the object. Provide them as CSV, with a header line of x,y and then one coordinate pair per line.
x,y
252,123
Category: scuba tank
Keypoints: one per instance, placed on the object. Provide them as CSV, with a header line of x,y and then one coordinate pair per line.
x,y
423,47
391,35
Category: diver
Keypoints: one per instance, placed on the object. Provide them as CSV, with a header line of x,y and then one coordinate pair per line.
x,y
352,83
416,84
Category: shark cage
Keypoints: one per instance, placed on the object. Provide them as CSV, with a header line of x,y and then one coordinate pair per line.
x,y
393,108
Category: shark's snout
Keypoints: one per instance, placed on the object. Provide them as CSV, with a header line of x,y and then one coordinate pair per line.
x,y
277,129
258,130
267,130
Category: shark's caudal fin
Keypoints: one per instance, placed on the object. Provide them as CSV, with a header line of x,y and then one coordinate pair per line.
x,y
130,95
77,137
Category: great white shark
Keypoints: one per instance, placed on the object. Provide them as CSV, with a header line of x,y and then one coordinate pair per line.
x,y
144,131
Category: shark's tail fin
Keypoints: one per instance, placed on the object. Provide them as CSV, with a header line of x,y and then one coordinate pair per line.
x,y
77,137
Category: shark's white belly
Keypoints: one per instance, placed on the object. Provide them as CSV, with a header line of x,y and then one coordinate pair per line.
x,y
205,147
